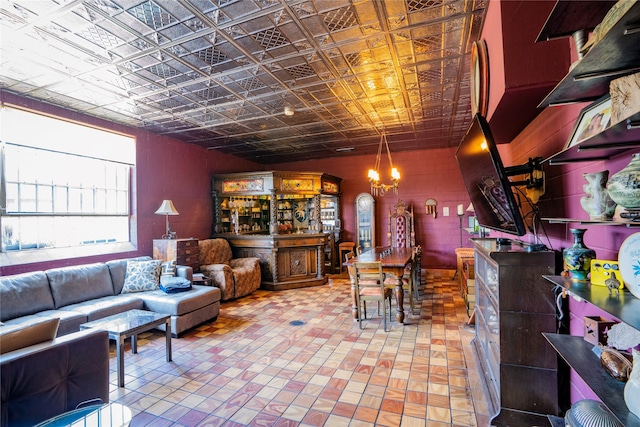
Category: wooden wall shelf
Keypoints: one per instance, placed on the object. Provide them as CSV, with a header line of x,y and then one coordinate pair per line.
x,y
615,55
577,352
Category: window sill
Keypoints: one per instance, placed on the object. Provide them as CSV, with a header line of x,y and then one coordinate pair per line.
x,y
45,255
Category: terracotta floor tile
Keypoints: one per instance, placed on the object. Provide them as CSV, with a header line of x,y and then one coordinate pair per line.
x,y
252,367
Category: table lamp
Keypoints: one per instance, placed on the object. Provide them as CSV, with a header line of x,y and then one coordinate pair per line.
x,y
167,208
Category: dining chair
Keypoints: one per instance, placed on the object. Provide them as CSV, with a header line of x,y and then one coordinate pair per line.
x,y
415,271
401,232
410,279
369,286
347,256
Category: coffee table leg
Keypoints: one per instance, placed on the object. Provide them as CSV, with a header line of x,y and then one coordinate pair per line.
x,y
120,359
168,337
134,344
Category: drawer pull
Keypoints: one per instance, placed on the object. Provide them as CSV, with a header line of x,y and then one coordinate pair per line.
x,y
297,262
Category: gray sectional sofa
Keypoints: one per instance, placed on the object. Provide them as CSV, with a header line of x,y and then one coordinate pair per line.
x,y
89,292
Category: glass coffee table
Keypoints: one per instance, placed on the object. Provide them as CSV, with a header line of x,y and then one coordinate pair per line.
x,y
130,324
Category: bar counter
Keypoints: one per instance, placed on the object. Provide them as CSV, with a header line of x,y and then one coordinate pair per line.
x,y
287,261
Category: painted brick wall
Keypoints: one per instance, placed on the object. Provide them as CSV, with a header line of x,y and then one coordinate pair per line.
x,y
424,174
564,187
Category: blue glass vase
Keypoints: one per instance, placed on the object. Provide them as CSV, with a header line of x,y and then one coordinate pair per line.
x,y
577,258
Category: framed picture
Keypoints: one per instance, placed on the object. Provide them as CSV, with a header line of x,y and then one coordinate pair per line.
x,y
592,120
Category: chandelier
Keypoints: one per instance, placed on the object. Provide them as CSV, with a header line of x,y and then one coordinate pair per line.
x,y
378,187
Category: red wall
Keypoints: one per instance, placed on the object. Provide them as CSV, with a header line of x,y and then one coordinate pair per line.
x,y
424,174
165,169
564,187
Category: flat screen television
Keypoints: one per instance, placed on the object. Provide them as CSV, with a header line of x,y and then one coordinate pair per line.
x,y
486,180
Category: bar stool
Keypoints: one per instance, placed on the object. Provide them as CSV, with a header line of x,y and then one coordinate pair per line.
x,y
343,248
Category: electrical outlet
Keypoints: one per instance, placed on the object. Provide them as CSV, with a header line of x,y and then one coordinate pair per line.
x,y
445,211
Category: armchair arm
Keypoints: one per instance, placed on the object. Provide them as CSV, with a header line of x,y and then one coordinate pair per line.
x,y
244,263
221,276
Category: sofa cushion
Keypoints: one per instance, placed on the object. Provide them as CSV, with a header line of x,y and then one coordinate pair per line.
x,y
118,270
14,338
142,276
180,303
214,251
106,306
70,285
24,294
168,268
70,321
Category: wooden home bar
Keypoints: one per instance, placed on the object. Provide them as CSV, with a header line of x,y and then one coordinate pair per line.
x,y
289,220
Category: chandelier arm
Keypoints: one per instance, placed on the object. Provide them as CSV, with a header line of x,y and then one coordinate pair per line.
x,y
377,166
388,152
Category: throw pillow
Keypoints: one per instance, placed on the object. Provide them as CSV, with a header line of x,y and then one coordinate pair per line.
x,y
23,336
172,285
141,276
169,268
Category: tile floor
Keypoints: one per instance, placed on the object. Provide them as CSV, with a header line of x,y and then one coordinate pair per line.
x,y
297,358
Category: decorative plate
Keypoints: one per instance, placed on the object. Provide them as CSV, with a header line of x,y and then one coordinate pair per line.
x,y
629,263
479,78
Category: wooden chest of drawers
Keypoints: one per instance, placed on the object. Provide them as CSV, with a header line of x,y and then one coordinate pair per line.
x,y
184,251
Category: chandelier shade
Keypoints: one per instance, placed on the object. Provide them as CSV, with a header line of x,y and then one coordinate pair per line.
x,y
377,187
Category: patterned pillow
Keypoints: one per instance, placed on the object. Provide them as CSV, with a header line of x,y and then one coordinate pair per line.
x,y
142,276
168,268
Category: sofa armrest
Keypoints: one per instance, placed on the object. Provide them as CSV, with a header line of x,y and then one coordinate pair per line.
x,y
47,379
185,272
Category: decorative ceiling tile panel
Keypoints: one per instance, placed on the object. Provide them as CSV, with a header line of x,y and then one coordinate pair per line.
x,y
218,73
152,14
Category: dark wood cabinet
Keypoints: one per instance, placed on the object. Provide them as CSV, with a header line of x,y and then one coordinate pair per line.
x,y
184,251
514,306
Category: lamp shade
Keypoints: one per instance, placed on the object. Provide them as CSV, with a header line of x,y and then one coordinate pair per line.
x,y
167,208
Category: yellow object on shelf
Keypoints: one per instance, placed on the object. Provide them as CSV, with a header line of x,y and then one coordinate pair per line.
x,y
601,270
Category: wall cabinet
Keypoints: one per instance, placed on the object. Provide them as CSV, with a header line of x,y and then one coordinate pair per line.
x,y
514,306
251,214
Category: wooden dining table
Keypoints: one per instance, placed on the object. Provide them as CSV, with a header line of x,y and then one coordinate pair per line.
x,y
394,261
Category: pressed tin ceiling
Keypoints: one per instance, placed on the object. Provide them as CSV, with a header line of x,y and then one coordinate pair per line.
x,y
219,73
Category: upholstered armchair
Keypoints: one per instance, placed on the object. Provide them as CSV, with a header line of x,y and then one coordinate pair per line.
x,y
236,277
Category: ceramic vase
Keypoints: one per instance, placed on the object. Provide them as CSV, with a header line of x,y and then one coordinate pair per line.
x,y
597,202
578,257
632,387
624,186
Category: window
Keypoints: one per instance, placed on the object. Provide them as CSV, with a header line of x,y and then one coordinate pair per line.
x,y
63,185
